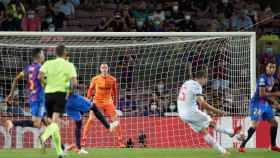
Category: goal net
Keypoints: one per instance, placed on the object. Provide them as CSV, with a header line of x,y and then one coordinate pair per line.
x,y
149,67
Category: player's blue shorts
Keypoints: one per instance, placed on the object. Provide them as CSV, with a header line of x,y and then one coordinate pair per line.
x,y
261,111
76,105
37,108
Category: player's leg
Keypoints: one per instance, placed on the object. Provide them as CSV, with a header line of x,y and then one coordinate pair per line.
x,y
87,127
36,112
212,142
269,115
255,115
110,111
56,104
102,118
230,132
250,133
199,122
273,134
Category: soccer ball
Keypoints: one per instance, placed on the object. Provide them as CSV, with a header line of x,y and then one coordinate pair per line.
x,y
241,136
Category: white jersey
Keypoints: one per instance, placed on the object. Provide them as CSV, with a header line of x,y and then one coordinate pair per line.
x,y
187,97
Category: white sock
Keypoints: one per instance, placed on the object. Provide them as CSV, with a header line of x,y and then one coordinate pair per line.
x,y
228,132
211,141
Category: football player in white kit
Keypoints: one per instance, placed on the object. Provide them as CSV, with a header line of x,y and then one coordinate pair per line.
x,y
190,96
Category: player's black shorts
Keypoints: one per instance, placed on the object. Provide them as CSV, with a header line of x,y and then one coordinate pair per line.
x,y
55,102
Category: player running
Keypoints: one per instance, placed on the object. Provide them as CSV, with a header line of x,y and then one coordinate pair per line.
x,y
105,98
190,96
76,106
58,72
35,92
261,106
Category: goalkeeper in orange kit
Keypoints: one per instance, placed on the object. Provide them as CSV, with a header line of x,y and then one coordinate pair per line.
x,y
105,98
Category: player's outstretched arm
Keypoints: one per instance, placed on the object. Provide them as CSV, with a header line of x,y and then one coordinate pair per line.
x,y
19,77
202,102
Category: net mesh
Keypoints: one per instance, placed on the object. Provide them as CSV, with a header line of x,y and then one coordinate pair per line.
x,y
149,70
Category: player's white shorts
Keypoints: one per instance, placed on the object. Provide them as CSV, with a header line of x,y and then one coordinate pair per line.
x,y
197,119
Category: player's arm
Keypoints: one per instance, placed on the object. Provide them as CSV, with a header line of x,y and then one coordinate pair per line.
x,y
203,103
91,88
41,77
115,93
19,77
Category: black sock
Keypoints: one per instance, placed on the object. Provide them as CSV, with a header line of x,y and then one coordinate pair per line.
x,y
100,116
78,132
23,123
273,135
251,131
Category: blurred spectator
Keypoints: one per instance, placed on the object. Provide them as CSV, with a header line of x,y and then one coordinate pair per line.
x,y
158,14
201,7
2,12
241,21
142,140
129,143
117,23
187,24
226,8
31,22
172,107
127,104
10,24
157,26
127,62
153,109
266,56
141,14
129,20
176,14
16,9
14,108
48,23
65,7
102,26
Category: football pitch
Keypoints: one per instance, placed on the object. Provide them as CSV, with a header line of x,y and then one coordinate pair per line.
x,y
140,153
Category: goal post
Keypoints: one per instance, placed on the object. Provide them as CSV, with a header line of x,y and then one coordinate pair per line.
x,y
150,68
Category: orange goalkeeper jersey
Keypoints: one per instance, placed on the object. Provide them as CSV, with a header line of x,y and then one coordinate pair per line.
x,y
105,88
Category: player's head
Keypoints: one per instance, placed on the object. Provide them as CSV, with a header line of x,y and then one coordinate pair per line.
x,y
201,77
104,68
60,51
38,55
270,67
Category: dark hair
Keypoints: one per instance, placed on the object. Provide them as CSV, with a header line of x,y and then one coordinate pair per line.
x,y
59,51
201,74
271,61
36,52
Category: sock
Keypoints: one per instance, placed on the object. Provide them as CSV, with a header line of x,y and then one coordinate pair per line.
x,y
23,123
48,131
251,131
273,135
78,131
100,116
87,127
211,141
119,135
228,132
57,140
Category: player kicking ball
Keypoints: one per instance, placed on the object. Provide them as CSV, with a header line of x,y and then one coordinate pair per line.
x,y
261,109
76,106
190,96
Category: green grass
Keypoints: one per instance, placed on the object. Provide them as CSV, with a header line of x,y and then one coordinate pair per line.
x,y
140,153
